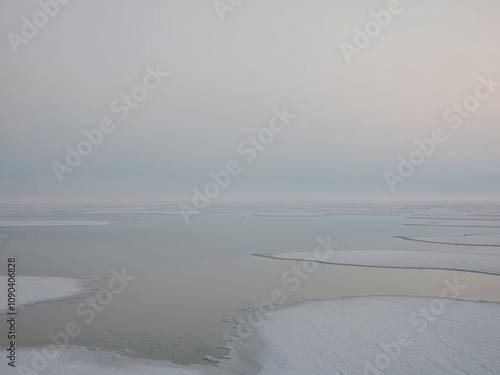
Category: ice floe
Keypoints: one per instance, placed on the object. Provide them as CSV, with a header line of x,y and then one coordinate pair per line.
x,y
455,216
485,239
52,223
481,263
35,289
459,223
362,335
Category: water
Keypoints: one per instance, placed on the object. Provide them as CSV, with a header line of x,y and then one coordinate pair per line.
x,y
188,277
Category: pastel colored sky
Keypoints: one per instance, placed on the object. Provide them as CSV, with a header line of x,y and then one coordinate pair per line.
x,y
353,120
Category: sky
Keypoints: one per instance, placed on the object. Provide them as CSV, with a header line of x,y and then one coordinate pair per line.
x,y
230,68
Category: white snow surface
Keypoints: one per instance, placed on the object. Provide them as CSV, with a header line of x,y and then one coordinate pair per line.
x,y
341,336
468,215
486,239
34,289
52,223
481,263
79,361
458,223
335,337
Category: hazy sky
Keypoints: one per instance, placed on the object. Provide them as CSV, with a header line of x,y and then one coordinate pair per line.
x,y
352,121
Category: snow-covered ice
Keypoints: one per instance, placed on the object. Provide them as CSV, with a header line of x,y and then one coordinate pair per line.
x,y
458,223
486,239
34,289
481,263
142,211
52,223
341,336
79,361
455,216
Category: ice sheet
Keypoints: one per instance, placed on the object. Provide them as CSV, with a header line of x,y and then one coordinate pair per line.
x,y
79,361
486,239
481,263
343,336
458,223
34,289
52,223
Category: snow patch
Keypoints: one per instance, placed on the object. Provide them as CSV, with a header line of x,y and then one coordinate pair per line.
x,y
35,289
